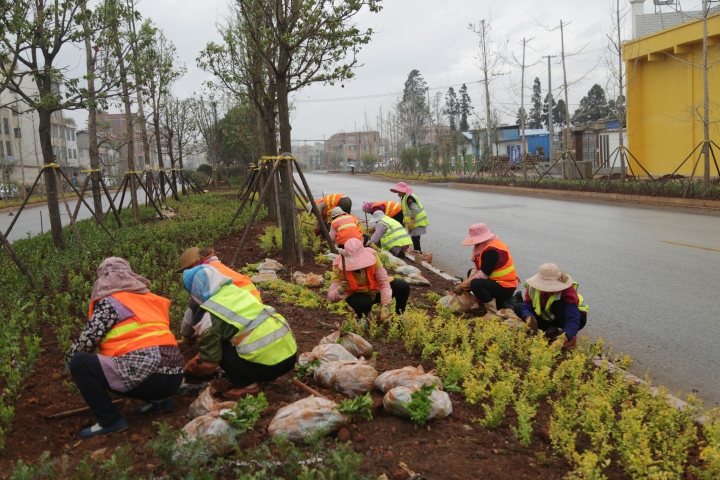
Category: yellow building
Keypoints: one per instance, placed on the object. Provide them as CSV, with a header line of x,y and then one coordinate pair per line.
x,y
665,97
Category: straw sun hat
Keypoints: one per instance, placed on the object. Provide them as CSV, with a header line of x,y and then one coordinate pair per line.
x,y
550,279
356,256
191,257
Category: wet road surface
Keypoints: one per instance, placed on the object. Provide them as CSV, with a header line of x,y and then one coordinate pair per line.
x,y
649,275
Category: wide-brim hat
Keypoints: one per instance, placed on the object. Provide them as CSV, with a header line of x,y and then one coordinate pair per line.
x,y
550,279
190,258
356,256
336,212
478,233
402,187
377,215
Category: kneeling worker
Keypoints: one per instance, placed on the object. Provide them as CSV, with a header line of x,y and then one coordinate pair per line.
x,y
248,340
360,279
390,208
326,204
553,305
389,234
344,227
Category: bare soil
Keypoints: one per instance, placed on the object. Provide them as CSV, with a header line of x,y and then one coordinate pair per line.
x,y
455,447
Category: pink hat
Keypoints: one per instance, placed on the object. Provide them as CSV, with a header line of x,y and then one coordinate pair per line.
x,y
478,233
367,207
356,256
550,279
402,187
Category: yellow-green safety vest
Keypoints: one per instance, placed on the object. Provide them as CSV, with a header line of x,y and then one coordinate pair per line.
x,y
270,340
546,314
421,219
395,235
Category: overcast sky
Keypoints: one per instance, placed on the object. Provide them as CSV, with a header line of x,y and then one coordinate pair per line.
x,y
431,36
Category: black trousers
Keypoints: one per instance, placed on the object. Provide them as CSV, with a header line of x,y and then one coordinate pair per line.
x,y
88,374
399,217
416,243
485,290
362,303
242,373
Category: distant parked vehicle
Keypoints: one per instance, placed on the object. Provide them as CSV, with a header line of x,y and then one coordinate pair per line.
x,y
8,191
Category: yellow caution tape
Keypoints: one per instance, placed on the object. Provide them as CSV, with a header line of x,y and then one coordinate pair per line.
x,y
92,170
50,165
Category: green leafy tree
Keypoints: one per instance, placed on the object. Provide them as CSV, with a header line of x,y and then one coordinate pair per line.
x,y
466,109
618,109
559,114
452,108
520,114
535,117
414,107
593,106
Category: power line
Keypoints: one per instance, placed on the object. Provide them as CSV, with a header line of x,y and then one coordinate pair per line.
x,y
379,95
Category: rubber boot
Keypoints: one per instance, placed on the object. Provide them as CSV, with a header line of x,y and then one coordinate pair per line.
x,y
490,310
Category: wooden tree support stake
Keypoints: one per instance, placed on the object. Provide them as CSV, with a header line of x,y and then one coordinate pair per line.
x,y
70,413
307,389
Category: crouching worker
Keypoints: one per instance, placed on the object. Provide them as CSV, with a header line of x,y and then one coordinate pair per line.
x,y
553,305
206,256
326,204
391,209
344,227
248,340
138,356
495,279
360,279
389,234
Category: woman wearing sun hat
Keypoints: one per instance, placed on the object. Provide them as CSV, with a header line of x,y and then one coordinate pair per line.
x,y
388,207
553,305
415,218
388,234
496,279
360,279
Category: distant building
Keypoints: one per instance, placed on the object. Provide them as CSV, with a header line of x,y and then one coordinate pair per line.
x,y
350,147
508,141
313,156
108,157
115,136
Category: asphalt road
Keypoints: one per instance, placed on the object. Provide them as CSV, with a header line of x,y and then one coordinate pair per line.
x,y
649,275
34,219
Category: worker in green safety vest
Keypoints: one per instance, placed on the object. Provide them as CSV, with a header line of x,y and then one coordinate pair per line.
x,y
389,234
552,304
414,215
250,341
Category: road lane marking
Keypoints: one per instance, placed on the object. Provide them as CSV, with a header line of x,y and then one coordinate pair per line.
x,y
690,246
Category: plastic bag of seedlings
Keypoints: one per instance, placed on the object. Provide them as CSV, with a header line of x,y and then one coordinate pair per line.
x,y
310,280
329,352
206,403
215,431
398,262
465,302
264,276
417,279
302,419
270,264
396,402
353,343
407,377
349,378
407,270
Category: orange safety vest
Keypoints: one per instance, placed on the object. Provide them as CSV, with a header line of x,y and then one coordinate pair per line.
x,y
239,280
148,327
504,274
331,201
347,227
391,208
372,286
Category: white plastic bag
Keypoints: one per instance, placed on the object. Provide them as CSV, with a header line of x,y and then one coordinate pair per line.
x,y
330,352
417,279
214,430
398,262
305,417
353,343
464,302
407,270
206,403
264,276
407,377
395,402
270,264
311,280
349,378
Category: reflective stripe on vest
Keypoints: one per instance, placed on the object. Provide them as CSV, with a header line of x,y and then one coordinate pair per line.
x,y
148,327
505,275
395,235
391,208
420,217
546,313
331,201
347,227
267,338
372,286
239,280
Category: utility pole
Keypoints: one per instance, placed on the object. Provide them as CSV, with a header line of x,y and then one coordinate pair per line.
x,y
566,144
550,114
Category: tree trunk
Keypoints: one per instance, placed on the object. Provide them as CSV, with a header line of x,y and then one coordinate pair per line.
x,y
172,163
287,212
706,100
158,140
51,186
96,174
620,87
130,130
